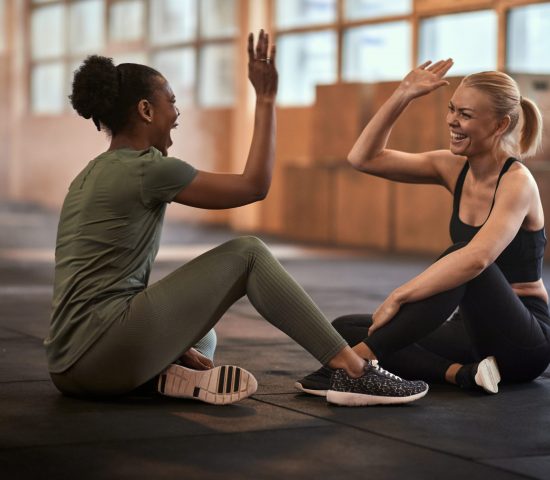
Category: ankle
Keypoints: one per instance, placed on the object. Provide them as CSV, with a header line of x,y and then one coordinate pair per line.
x,y
349,361
450,374
465,376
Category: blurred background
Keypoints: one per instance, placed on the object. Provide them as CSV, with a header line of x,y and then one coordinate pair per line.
x,y
338,61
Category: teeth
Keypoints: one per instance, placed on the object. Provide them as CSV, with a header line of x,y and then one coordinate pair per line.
x,y
457,136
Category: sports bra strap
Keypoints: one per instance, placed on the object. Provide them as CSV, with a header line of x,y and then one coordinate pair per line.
x,y
458,187
460,184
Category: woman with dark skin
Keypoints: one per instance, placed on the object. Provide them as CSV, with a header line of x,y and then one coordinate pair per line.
x,y
493,271
112,332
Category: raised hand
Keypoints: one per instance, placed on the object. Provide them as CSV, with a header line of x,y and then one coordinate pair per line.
x,y
426,78
262,71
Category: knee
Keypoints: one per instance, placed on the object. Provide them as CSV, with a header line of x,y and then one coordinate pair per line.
x,y
250,244
345,322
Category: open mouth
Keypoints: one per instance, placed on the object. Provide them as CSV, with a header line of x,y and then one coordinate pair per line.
x,y
457,137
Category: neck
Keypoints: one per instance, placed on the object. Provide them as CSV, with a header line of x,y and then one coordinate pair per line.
x,y
129,140
486,165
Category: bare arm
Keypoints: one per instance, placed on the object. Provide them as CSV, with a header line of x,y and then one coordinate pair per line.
x,y
512,203
224,190
370,155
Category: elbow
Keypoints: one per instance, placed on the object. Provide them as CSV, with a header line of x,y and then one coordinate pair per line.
x,y
259,193
480,261
356,161
365,163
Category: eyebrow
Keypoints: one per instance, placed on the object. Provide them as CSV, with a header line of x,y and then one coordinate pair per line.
x,y
461,109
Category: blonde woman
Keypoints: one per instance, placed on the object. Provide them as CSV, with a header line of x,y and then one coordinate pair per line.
x,y
492,273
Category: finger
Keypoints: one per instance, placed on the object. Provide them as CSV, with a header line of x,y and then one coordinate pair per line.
x,y
435,66
442,66
273,54
425,64
266,45
447,67
250,47
259,44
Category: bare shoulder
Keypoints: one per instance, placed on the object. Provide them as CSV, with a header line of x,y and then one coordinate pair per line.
x,y
448,166
519,175
518,184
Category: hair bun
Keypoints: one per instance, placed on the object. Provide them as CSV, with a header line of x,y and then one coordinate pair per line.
x,y
95,87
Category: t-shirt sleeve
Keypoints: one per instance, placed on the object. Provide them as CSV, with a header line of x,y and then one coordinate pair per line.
x,y
163,178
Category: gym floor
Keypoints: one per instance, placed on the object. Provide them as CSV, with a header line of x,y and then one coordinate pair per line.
x,y
277,433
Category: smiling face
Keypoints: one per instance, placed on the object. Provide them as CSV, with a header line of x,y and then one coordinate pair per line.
x,y
474,128
164,116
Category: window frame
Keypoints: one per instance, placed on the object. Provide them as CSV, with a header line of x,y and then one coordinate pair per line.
x,y
113,48
421,9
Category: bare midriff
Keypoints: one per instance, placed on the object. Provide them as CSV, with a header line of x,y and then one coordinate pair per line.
x,y
531,289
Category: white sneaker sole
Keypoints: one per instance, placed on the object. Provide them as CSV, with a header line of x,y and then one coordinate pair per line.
x,y
318,393
488,376
219,386
349,399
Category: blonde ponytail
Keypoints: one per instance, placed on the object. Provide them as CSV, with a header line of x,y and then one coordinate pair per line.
x,y
531,131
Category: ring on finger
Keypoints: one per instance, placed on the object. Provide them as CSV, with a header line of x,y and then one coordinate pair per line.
x,y
267,60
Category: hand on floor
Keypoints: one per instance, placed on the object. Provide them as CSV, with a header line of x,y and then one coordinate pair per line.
x,y
196,360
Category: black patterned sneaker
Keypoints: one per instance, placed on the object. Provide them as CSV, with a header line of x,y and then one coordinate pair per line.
x,y
316,383
219,386
376,386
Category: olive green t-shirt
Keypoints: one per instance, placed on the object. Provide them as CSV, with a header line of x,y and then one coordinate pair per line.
x,y
107,239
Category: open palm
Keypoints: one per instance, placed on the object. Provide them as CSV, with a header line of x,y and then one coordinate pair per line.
x,y
426,78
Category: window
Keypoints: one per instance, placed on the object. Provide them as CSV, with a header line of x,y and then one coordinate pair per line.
x,y
61,34
377,52
127,21
218,18
173,21
300,13
362,9
305,60
373,48
190,41
458,36
528,41
217,67
178,65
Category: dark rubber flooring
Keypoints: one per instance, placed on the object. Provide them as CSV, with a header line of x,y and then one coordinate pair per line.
x,y
278,433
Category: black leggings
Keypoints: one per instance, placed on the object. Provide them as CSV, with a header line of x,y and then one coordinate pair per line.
x,y
492,320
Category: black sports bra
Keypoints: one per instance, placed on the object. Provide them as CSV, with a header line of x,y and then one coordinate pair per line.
x,y
521,260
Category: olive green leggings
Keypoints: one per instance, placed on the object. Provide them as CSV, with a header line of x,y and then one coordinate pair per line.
x,y
172,315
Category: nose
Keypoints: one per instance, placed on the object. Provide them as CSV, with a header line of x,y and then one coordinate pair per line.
x,y
178,111
451,118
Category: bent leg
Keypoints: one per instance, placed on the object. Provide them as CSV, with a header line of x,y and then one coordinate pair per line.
x,y
169,317
427,360
501,324
498,323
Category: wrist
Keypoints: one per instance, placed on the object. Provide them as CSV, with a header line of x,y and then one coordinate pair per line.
x,y
399,295
265,100
403,94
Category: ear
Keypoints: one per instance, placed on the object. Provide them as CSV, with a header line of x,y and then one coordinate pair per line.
x,y
503,125
145,110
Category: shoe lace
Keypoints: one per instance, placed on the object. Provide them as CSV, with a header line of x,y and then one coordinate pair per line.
x,y
380,370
